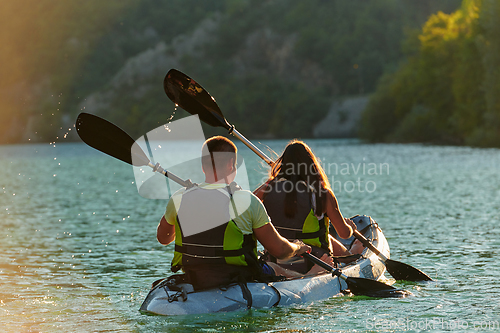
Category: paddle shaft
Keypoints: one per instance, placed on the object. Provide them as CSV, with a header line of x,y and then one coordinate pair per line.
x,y
250,145
369,245
322,264
168,174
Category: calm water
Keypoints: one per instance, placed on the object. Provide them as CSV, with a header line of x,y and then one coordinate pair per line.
x,y
78,249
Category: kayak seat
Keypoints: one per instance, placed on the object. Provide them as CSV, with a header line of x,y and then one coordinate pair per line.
x,y
347,259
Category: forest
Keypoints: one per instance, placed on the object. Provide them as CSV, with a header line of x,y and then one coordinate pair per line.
x,y
275,67
447,91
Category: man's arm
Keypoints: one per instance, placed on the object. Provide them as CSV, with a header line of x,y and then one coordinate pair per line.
x,y
165,233
278,246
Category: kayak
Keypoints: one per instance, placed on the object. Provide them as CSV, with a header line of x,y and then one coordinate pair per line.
x,y
170,298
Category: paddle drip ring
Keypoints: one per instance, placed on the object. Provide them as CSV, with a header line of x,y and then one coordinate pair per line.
x,y
231,129
156,167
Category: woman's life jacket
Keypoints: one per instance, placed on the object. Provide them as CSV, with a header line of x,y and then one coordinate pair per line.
x,y
305,225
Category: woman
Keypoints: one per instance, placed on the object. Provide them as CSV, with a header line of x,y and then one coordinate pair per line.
x,y
301,203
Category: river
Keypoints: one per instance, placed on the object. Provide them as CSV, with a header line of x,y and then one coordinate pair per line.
x,y
78,248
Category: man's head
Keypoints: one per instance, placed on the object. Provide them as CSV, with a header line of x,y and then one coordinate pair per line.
x,y
219,159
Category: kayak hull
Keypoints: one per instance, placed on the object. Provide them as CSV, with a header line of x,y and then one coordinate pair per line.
x,y
184,300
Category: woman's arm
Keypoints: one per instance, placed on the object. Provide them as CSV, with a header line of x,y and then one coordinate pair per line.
x,y
261,190
342,226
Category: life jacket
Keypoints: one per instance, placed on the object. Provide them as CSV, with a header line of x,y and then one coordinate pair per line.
x,y
220,254
305,225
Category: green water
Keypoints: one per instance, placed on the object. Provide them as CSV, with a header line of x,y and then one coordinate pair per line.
x,y
78,249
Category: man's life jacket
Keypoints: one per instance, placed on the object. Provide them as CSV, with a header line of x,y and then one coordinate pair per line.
x,y
305,225
220,252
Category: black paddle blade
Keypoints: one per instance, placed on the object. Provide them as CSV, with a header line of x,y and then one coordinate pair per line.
x,y
361,286
189,95
398,270
109,139
402,271
373,288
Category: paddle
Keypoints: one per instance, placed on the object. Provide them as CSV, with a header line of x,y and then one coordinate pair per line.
x,y
192,97
398,270
112,140
360,286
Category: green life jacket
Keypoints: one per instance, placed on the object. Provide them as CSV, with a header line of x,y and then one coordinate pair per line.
x,y
305,225
222,245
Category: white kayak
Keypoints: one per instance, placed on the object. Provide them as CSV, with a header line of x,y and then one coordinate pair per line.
x,y
168,299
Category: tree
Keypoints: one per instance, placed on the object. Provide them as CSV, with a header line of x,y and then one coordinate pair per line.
x,y
447,91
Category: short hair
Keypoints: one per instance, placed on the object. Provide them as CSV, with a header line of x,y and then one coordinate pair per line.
x,y
217,151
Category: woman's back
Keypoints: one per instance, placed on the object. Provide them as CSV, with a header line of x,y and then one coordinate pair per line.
x,y
275,200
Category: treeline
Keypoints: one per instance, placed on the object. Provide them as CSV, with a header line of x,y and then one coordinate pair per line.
x,y
448,90
274,66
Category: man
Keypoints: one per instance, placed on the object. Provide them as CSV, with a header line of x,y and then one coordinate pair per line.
x,y
215,226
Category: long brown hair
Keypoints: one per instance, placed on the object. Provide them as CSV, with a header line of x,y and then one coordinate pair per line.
x,y
298,163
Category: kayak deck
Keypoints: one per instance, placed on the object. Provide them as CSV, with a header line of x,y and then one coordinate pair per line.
x,y
181,299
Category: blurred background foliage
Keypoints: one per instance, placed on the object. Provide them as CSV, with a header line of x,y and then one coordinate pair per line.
x,y
430,67
448,88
